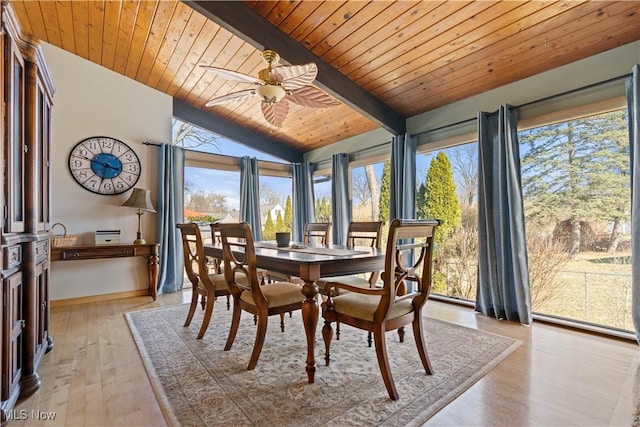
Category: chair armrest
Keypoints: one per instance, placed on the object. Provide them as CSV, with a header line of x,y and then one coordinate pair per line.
x,y
337,285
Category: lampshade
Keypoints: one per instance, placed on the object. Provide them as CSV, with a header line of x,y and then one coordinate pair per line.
x,y
140,199
271,93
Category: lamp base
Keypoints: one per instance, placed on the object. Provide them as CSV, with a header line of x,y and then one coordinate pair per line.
x,y
139,242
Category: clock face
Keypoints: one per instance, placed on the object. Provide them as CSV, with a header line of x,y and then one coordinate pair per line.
x,y
104,165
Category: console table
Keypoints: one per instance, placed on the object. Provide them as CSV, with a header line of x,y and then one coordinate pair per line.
x,y
149,250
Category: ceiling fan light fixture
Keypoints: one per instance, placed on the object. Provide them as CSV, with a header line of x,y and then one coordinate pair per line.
x,y
271,93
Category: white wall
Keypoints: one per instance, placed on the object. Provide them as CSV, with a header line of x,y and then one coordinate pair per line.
x,y
93,101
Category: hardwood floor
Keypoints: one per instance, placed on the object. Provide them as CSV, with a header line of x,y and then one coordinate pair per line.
x,y
95,377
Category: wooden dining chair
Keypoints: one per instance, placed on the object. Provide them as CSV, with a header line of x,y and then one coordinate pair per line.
x,y
207,285
316,233
260,300
408,258
359,234
367,233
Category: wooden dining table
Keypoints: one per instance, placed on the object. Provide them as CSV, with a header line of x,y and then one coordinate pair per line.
x,y
309,263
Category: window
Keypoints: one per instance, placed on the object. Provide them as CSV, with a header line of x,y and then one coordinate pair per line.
x,y
212,180
576,189
447,182
322,194
366,193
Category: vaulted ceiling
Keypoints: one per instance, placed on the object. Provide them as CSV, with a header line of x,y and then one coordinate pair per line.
x,y
384,61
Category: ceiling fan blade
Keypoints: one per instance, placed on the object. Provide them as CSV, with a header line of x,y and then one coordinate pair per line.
x,y
310,96
275,113
233,75
295,76
239,96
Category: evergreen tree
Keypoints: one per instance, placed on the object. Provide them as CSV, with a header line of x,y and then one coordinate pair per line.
x,y
385,191
440,199
269,232
421,195
578,171
323,210
280,225
288,214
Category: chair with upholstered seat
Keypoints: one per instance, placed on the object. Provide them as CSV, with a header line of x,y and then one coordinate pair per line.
x,y
260,300
367,233
316,233
408,258
208,286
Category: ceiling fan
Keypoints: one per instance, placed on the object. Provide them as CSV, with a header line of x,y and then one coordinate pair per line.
x,y
276,86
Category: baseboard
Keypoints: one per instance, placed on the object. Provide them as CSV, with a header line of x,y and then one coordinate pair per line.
x,y
97,298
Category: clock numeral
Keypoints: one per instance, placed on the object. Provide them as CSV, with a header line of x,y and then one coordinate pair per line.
x,y
106,144
92,183
132,167
83,174
93,145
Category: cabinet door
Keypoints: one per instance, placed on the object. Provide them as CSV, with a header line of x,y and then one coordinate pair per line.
x,y
15,147
42,314
13,324
43,170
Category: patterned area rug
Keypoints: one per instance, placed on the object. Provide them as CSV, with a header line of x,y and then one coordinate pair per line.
x,y
199,384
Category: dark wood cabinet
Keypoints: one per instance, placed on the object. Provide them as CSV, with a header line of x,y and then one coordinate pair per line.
x,y
25,224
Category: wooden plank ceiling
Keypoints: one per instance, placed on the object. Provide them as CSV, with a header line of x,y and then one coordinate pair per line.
x,y
385,61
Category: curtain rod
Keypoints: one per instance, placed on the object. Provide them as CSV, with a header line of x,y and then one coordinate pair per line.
x,y
527,104
578,89
151,143
446,126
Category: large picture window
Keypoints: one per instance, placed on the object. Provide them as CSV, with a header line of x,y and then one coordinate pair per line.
x,y
212,180
576,189
447,182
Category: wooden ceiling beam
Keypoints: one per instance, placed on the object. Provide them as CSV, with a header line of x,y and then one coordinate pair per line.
x,y
207,120
242,21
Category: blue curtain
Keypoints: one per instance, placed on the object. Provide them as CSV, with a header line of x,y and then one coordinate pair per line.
x,y
340,203
303,198
250,195
503,274
402,193
170,212
633,99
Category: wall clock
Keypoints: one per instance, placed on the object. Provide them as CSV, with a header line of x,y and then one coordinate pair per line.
x,y
104,165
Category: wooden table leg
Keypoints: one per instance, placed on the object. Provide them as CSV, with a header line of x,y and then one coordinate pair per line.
x,y
310,320
152,266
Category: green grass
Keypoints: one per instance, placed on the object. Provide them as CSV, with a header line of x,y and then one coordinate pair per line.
x,y
594,288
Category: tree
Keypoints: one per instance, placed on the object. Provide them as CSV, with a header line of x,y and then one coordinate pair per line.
x,y
374,191
207,201
288,214
269,231
269,195
280,225
360,188
421,199
464,163
577,171
440,199
323,209
385,190
190,136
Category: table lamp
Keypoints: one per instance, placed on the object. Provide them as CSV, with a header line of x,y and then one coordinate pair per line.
x,y
140,199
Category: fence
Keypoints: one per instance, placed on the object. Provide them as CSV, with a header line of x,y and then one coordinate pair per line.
x,y
593,297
